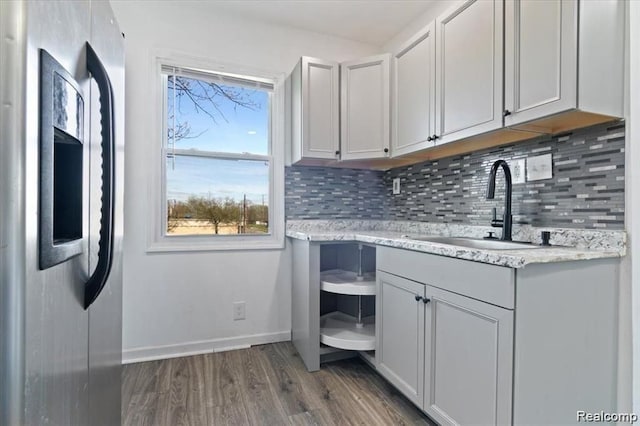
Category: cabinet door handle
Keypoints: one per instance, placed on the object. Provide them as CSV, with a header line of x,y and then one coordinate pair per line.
x,y
434,137
386,150
506,112
429,139
337,152
426,300
418,298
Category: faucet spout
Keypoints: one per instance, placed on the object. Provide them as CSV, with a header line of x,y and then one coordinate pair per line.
x,y
507,221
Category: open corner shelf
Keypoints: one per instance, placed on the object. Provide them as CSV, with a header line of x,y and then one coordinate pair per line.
x,y
348,289
339,330
347,282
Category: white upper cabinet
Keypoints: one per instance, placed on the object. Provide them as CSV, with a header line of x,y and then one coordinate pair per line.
x,y
365,108
497,71
601,45
469,73
414,94
320,134
541,58
563,57
315,118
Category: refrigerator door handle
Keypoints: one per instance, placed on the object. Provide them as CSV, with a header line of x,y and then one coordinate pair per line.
x,y
98,279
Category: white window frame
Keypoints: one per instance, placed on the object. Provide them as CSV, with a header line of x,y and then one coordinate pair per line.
x,y
158,240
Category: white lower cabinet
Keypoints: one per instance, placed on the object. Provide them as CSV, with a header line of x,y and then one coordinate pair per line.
x,y
449,354
400,331
456,338
462,344
468,360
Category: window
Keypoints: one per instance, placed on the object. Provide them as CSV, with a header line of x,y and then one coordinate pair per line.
x,y
222,171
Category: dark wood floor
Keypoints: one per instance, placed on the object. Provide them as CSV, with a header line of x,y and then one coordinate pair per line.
x,y
263,385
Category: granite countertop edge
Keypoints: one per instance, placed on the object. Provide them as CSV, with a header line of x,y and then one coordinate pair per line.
x,y
507,258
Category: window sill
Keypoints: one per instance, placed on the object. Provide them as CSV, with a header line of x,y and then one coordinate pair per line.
x,y
220,243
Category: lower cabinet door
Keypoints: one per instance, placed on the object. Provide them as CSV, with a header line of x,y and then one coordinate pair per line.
x,y
400,334
468,360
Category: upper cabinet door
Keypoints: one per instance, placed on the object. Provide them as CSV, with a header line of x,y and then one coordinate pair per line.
x,y
365,108
540,58
469,43
414,94
315,104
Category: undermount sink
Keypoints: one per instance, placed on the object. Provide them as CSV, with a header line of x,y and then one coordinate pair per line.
x,y
478,243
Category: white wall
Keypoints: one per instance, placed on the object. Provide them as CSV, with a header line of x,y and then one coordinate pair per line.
x,y
629,305
436,9
176,303
631,286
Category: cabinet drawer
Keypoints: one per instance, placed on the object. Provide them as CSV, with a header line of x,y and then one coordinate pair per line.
x,y
489,283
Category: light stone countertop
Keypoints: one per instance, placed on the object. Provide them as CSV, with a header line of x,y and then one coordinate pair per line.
x,y
566,244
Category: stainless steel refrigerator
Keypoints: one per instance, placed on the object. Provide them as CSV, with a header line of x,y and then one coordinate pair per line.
x,y
61,222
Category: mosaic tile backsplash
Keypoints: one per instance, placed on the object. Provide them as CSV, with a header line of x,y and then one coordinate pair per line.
x,y
329,193
586,190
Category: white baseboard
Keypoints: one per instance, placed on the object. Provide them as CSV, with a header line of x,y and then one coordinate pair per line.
x,y
152,353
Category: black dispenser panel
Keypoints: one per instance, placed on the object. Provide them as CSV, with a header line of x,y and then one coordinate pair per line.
x,y
67,194
61,169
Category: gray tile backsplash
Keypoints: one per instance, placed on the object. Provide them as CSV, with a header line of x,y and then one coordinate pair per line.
x,y
586,190
329,193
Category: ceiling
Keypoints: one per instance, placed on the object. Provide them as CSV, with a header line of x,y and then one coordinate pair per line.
x,y
368,21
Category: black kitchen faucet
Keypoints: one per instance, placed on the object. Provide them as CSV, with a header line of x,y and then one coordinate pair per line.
x,y
506,222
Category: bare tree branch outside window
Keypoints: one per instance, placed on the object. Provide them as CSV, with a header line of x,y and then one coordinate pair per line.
x,y
204,98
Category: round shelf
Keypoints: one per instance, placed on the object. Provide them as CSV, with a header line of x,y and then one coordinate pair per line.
x,y
346,282
339,330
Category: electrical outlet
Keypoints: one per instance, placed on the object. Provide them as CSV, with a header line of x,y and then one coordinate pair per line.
x,y
239,310
396,186
539,167
517,170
